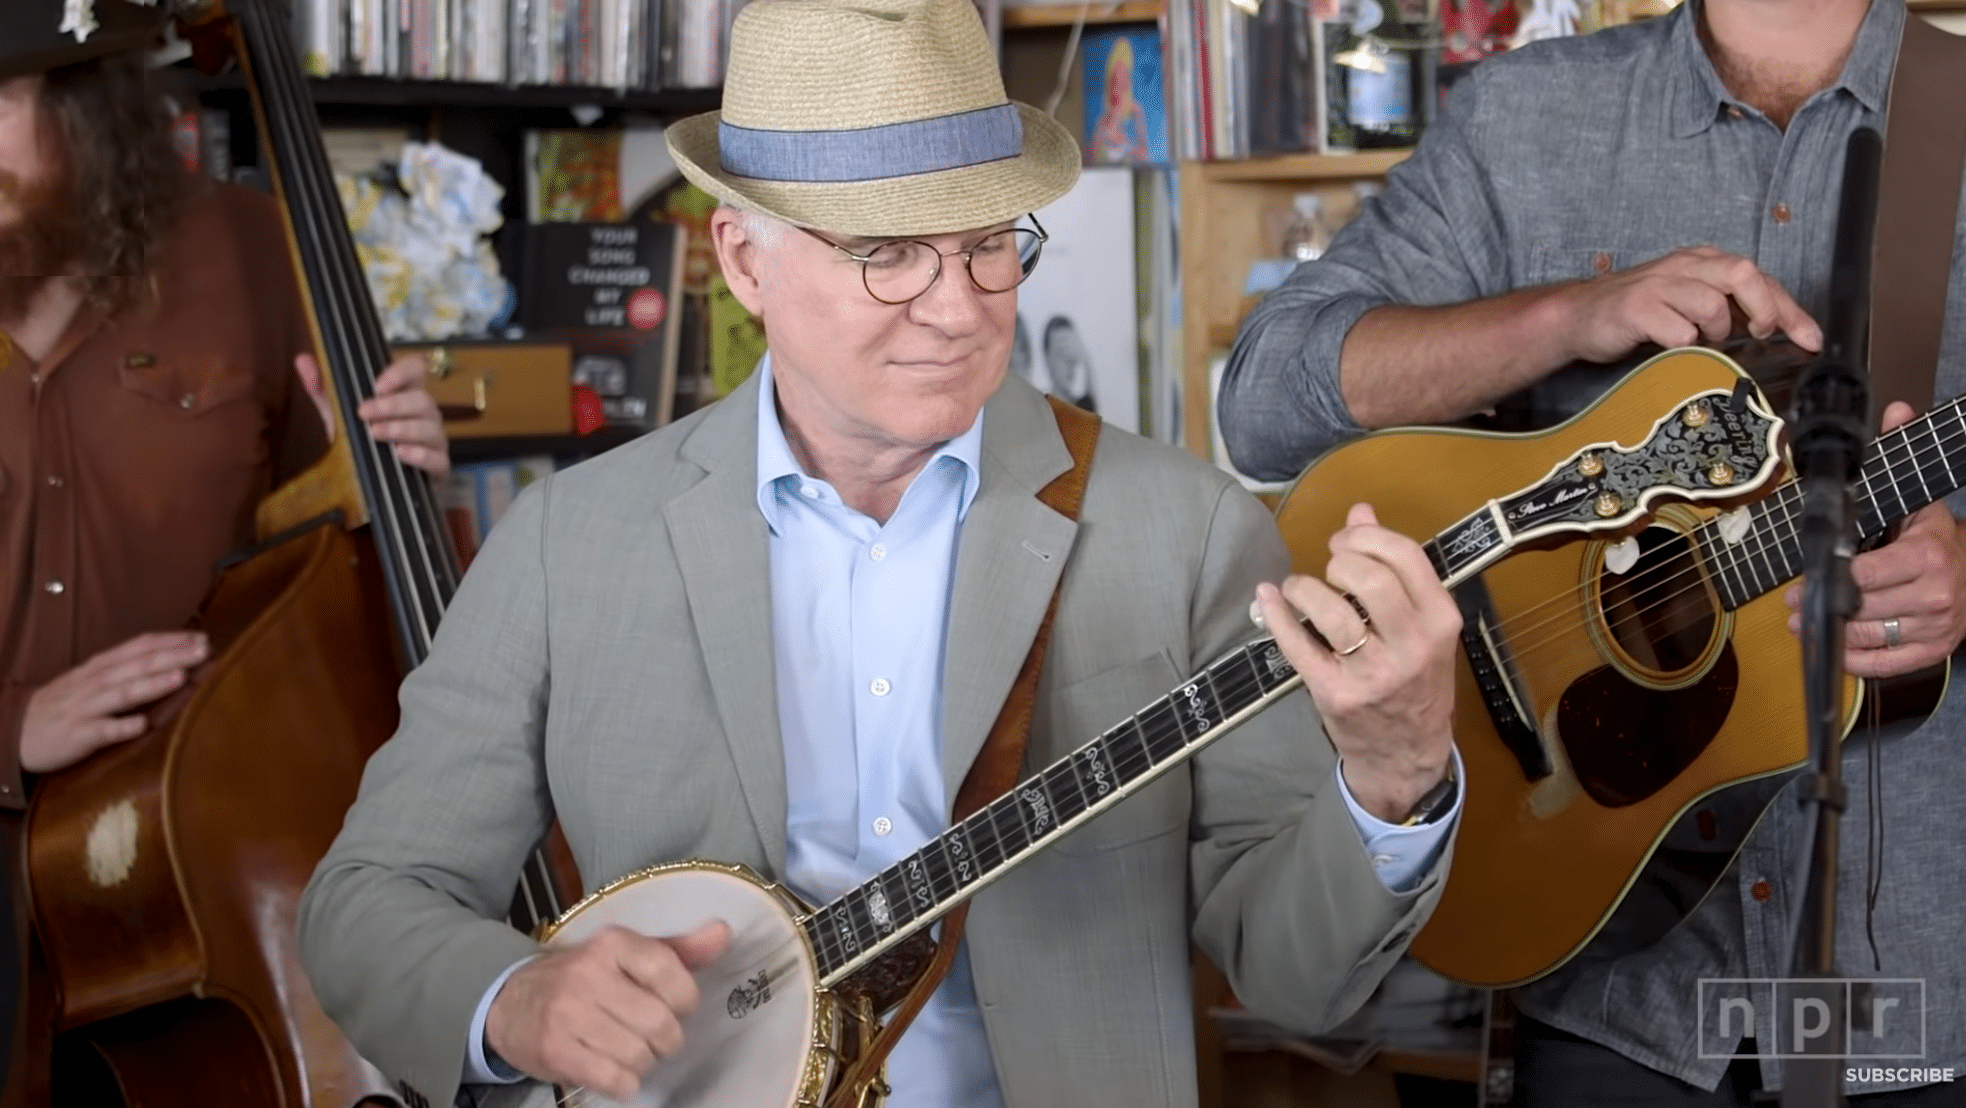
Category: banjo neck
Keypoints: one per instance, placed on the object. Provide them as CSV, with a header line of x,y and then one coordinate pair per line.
x,y
899,902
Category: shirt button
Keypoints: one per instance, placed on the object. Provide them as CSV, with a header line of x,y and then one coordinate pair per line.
x,y
808,492
187,400
1601,262
880,687
1733,112
54,481
1781,213
55,587
878,552
1761,890
1382,859
883,825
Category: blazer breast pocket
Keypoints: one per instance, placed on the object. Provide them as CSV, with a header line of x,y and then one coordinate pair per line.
x,y
1084,710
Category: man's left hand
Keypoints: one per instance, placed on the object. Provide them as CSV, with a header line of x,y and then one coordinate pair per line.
x,y
1917,580
1385,686
401,413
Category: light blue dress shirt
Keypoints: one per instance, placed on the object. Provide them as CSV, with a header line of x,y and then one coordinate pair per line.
x,y
860,614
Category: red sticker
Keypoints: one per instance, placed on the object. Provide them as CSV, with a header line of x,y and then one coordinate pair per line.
x,y
646,308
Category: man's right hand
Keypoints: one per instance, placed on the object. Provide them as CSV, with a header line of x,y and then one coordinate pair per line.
x,y
599,1015
80,712
1676,301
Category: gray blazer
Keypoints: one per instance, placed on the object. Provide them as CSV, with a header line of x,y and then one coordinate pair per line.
x,y
609,659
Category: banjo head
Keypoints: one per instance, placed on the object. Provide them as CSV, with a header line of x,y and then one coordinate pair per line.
x,y
763,1034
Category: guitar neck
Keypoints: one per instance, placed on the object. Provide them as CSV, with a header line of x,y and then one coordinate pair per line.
x,y
1902,471
908,896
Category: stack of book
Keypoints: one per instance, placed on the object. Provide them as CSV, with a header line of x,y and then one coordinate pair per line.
x,y
617,44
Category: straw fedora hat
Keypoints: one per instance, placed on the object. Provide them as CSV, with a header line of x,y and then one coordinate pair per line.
x,y
872,118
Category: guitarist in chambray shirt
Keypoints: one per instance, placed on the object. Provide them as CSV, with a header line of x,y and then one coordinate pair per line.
x,y
1578,198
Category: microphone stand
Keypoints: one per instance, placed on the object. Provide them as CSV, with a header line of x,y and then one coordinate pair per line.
x,y
1831,427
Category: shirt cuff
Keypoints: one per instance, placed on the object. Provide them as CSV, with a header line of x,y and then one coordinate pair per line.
x,y
1401,856
481,1066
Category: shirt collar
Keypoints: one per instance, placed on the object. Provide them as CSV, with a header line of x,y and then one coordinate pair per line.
x,y
1700,97
776,462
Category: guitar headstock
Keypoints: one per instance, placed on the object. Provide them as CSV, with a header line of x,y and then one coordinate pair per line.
x,y
1713,446
1716,445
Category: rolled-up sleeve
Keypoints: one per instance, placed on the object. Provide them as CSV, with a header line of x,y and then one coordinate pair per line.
x,y
1431,238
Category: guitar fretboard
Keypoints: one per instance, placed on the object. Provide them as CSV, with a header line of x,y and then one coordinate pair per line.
x,y
1901,472
921,888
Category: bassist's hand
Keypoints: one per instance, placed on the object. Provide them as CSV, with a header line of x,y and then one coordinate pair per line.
x,y
1388,698
1917,579
401,412
1678,300
81,711
600,1014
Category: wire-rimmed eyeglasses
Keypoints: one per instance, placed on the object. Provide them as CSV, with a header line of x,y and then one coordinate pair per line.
x,y
900,270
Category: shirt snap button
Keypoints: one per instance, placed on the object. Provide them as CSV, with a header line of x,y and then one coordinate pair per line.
x,y
1601,262
55,588
1761,890
1782,213
187,400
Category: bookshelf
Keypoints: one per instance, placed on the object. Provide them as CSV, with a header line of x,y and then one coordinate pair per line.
x,y
421,95
1230,214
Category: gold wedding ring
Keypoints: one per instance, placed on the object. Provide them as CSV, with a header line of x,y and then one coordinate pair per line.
x,y
1353,649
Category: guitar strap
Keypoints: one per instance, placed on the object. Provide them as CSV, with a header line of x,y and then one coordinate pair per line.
x,y
997,763
1917,213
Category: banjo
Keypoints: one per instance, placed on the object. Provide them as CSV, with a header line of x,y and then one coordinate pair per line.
x,y
782,1004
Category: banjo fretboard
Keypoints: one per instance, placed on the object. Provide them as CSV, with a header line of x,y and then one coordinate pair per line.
x,y
913,893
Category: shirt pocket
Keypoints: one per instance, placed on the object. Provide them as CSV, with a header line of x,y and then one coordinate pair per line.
x,y
1085,709
1549,265
192,386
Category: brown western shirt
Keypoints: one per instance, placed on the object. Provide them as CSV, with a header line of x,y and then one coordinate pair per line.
x,y
133,457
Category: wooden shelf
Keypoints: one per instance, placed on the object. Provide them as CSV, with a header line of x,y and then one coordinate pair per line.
x,y
467,450
1307,167
1936,5
1064,15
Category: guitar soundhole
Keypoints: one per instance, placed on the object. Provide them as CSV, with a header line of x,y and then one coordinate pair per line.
x,y
1660,611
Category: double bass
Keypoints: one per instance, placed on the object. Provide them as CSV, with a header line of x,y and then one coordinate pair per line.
x,y
165,874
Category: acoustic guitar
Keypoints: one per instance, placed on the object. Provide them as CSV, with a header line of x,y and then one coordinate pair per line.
x,y
1605,686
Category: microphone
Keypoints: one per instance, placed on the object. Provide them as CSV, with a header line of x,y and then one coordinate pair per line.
x,y
1831,411
1830,427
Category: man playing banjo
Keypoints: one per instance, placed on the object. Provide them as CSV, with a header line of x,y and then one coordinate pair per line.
x,y
776,633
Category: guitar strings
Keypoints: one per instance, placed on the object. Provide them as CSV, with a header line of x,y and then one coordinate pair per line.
x,y
1780,512
1787,497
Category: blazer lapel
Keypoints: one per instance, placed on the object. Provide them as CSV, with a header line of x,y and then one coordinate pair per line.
x,y
720,542
1012,552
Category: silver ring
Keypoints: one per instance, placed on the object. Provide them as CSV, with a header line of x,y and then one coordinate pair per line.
x,y
1354,648
1892,634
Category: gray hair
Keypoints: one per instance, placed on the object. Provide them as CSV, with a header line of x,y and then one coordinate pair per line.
x,y
764,230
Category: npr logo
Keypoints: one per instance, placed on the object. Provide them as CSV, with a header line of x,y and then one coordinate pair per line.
x,y
1797,1017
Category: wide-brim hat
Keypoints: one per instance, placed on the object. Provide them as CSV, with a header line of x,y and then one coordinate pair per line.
x,y
39,35
872,118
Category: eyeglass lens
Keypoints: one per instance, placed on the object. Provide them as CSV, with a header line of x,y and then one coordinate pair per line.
x,y
899,271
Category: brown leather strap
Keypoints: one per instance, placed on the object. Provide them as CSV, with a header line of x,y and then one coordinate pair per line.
x,y
997,763
1917,213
